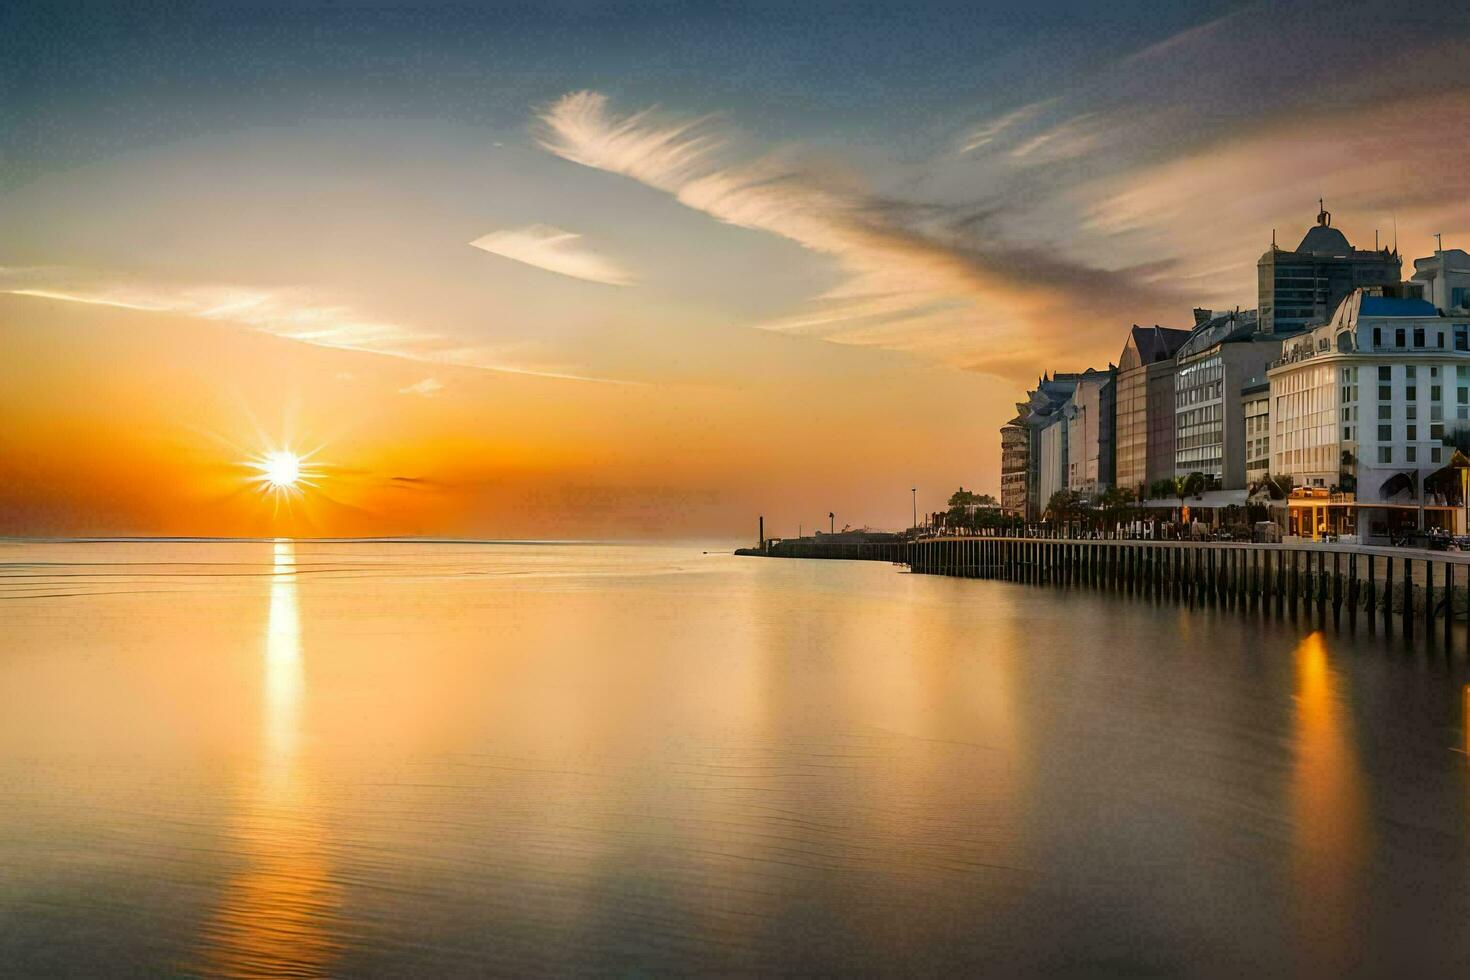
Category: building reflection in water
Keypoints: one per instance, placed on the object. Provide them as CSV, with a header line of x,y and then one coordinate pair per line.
x,y
1330,840
276,916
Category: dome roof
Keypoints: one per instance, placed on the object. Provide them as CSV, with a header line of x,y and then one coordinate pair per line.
x,y
1325,240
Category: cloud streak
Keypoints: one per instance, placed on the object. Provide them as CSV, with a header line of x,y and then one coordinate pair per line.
x,y
913,277
293,314
553,250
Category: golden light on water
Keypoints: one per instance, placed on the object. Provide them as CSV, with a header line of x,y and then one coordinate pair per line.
x,y
277,915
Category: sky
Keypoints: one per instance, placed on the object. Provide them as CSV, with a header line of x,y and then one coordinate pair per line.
x,y
608,270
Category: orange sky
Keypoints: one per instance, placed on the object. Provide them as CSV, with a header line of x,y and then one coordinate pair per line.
x,y
747,261
130,422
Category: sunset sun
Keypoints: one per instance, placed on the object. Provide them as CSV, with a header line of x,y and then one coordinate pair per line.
x,y
282,469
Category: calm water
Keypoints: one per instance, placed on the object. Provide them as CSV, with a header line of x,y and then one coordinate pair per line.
x,y
370,758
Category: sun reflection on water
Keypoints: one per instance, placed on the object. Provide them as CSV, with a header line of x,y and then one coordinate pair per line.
x,y
1331,837
276,915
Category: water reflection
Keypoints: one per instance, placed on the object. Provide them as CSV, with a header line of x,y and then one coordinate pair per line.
x,y
276,914
1330,840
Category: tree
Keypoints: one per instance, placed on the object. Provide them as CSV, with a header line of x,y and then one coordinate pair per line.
x,y
1115,501
1063,505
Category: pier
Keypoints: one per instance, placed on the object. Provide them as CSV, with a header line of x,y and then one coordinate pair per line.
x,y
1410,592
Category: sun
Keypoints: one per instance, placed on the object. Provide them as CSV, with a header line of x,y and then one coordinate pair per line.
x,y
283,472
282,469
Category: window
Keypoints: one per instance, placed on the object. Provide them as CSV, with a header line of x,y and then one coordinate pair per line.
x,y
1436,430
1418,336
1385,373
1398,337
1433,371
1347,433
1385,454
1377,336
1462,339
1411,454
1436,393
1411,393
1385,411
1411,372
1411,432
1385,433
1411,412
1462,396
1385,393
1434,454
1462,373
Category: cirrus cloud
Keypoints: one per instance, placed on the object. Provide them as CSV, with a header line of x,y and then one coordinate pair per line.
x,y
554,250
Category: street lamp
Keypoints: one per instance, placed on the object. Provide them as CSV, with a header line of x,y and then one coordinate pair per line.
x,y
915,492
831,523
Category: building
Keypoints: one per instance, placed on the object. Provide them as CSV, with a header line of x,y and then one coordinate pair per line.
x,y
1020,473
1360,410
1255,411
1091,420
1015,461
1304,286
1144,450
1221,354
1444,279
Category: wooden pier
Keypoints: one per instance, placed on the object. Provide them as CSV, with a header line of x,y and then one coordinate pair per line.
x,y
1414,592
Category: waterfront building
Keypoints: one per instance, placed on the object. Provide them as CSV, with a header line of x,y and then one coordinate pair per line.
x,y
1255,411
1051,459
1304,286
1091,420
1444,279
1015,460
1144,449
1021,449
1222,352
1361,408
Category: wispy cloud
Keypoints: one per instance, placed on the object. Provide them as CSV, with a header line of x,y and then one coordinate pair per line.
x,y
992,130
1064,141
291,313
915,278
427,388
555,250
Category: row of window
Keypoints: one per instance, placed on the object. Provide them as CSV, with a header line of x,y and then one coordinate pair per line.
x,y
1402,336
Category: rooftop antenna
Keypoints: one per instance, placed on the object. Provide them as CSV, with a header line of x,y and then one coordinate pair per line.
x,y
1395,233
1439,241
1324,217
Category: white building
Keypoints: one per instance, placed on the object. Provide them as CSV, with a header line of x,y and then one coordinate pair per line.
x,y
1360,408
1445,278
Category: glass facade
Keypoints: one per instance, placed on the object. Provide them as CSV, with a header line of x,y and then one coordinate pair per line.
x,y
1199,418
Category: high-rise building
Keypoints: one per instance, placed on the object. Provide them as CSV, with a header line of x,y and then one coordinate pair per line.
x,y
1306,285
1221,354
1145,406
1361,410
1021,450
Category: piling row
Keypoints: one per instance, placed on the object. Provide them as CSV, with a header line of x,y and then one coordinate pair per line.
x,y
1385,591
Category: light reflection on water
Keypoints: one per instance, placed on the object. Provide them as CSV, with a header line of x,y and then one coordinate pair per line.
x,y
325,758
1330,834
276,915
